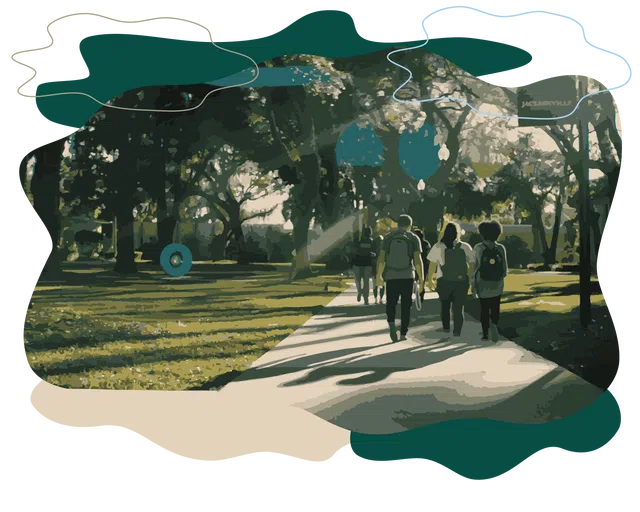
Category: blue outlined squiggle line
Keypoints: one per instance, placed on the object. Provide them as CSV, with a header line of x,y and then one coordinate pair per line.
x,y
490,113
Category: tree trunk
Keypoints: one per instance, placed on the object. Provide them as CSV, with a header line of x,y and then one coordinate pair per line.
x,y
584,210
597,234
232,207
553,248
612,181
45,187
329,189
217,245
238,235
166,222
302,265
538,226
305,197
125,259
392,174
166,228
428,214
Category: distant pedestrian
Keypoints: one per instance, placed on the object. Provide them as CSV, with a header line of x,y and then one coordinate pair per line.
x,y
488,277
426,247
400,260
451,258
378,283
363,257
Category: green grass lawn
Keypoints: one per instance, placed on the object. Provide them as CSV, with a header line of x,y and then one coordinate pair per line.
x,y
98,330
540,311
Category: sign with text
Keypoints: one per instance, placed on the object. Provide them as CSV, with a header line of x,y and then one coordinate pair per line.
x,y
553,97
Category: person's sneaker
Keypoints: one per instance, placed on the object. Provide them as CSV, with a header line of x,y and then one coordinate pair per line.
x,y
485,338
456,334
494,333
403,337
393,333
359,296
366,302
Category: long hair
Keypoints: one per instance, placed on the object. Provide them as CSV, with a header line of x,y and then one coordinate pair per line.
x,y
450,235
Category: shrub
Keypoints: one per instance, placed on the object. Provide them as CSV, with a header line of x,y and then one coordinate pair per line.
x,y
253,252
518,253
195,246
279,245
472,239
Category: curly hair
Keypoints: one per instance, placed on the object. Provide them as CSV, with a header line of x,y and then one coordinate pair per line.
x,y
490,230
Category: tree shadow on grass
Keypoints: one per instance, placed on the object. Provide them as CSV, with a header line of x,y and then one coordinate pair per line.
x,y
570,289
591,353
167,355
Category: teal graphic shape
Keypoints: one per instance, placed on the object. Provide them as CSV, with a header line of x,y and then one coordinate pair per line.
x,y
176,260
138,61
482,448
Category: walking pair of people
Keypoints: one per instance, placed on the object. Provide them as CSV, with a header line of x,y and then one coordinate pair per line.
x,y
458,266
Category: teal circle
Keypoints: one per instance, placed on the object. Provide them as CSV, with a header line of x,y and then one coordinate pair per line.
x,y
176,259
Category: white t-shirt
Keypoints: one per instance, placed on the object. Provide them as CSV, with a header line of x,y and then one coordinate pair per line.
x,y
436,255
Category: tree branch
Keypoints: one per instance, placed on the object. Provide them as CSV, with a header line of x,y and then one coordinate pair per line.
x,y
261,213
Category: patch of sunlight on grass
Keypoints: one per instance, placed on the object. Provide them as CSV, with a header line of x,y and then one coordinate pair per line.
x,y
152,334
193,370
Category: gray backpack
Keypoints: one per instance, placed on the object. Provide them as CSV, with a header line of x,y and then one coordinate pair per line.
x,y
400,257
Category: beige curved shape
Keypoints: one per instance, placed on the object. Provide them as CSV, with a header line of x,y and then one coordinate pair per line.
x,y
205,425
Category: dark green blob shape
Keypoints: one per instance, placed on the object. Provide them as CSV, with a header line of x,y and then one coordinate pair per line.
x,y
480,449
118,63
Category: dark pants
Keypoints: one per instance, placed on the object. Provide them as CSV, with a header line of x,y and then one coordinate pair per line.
x,y
377,286
489,309
452,297
399,289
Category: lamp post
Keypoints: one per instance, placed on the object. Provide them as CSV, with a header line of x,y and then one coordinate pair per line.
x,y
585,207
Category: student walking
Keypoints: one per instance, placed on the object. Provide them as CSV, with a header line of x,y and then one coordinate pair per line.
x,y
363,263
399,262
488,277
426,247
378,283
451,258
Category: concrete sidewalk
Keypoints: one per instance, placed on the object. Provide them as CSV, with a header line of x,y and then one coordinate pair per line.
x,y
342,367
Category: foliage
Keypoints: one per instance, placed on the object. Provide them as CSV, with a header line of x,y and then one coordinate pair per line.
x,y
518,252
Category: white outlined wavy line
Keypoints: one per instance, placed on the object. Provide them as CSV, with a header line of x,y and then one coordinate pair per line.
x,y
22,57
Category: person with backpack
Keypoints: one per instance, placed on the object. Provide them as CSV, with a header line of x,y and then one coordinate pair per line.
x,y
378,284
451,258
363,257
399,262
488,277
426,247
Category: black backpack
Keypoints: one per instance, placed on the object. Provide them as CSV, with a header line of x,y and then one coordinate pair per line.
x,y
365,252
366,248
491,264
455,264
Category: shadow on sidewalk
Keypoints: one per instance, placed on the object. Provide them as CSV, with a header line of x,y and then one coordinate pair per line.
x,y
358,360
555,395
369,363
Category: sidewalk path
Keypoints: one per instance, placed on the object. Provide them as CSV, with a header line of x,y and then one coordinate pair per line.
x,y
342,367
